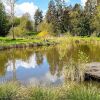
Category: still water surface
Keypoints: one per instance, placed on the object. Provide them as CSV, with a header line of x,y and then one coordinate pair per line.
x,y
42,65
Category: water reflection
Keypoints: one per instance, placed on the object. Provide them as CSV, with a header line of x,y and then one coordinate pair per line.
x,y
43,65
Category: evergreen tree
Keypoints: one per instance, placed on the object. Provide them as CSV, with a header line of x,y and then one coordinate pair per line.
x,y
65,22
75,16
51,16
38,18
56,16
60,15
51,13
96,22
91,6
84,25
3,21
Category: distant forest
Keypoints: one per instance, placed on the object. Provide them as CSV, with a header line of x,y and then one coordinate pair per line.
x,y
59,19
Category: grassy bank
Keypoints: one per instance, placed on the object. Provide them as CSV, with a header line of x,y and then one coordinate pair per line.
x,y
72,91
9,41
6,41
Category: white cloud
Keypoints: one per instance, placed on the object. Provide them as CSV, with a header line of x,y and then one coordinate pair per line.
x,y
66,0
20,9
83,2
26,7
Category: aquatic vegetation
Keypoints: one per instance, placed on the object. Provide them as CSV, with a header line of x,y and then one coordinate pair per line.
x,y
74,70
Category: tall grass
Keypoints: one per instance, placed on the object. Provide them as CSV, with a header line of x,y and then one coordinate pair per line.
x,y
75,70
81,92
43,94
70,91
8,91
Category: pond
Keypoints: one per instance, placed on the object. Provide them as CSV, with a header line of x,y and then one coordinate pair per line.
x,y
43,65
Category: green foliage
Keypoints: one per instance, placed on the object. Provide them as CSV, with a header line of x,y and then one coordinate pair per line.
x,y
46,27
8,91
15,23
43,94
51,17
75,70
81,92
26,23
59,19
51,13
38,18
70,91
75,20
83,58
67,19
18,31
85,28
96,22
31,33
22,26
58,16
3,21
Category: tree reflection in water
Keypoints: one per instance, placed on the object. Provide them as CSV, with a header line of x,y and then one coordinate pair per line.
x,y
56,58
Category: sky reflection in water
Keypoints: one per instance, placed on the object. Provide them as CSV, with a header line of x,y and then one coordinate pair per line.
x,y
42,66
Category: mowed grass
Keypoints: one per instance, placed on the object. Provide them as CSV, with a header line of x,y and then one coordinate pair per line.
x,y
71,91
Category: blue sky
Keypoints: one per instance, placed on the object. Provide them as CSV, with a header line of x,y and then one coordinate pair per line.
x,y
43,4
30,6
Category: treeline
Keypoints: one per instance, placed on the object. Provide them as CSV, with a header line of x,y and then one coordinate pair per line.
x,y
72,20
58,20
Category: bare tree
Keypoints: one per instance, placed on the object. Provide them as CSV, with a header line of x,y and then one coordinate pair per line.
x,y
11,4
